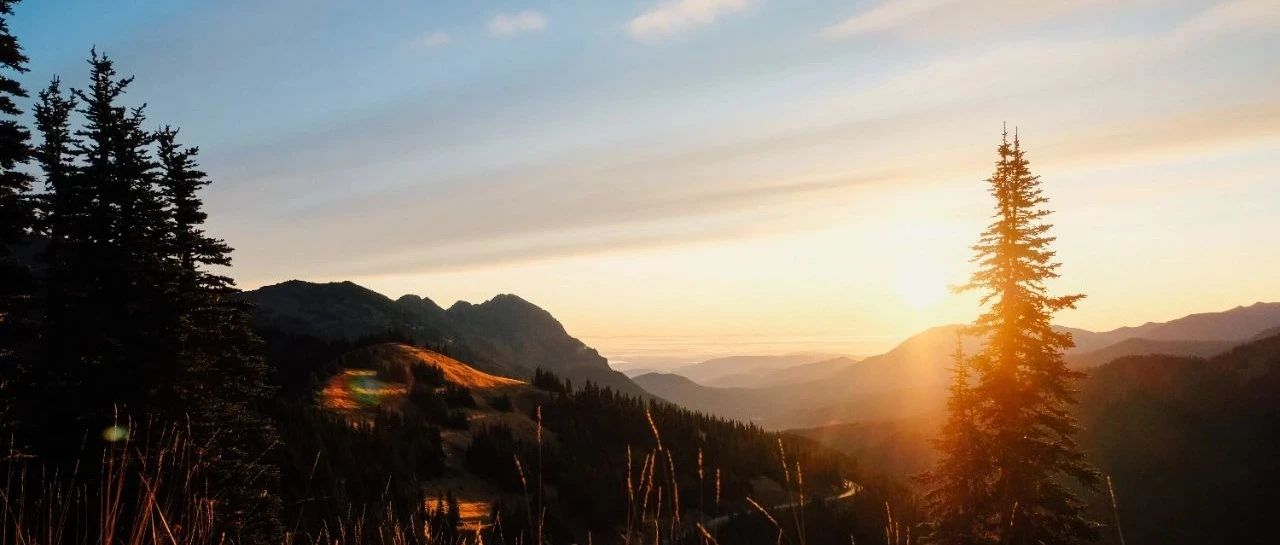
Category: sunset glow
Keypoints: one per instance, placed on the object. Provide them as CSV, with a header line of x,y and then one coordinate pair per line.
x,y
691,153
921,286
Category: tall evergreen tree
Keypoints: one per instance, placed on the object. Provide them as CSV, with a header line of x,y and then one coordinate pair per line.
x,y
957,487
141,330
15,185
222,378
16,219
1024,390
106,341
54,155
63,212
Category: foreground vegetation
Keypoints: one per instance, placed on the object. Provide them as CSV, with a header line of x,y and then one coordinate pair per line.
x,y
665,475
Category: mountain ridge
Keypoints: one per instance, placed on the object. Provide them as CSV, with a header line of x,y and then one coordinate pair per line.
x,y
916,368
504,335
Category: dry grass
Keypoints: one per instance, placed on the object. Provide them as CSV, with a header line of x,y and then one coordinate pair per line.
x,y
156,496
141,498
454,371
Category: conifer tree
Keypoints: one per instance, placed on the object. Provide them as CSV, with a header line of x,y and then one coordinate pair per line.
x,y
15,185
106,346
958,485
54,155
1024,390
140,327
222,378
63,212
16,219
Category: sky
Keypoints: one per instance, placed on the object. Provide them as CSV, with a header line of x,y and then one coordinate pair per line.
x,y
677,179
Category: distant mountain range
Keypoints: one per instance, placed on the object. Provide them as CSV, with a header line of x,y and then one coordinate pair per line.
x,y
509,336
505,335
755,371
763,378
908,379
1236,325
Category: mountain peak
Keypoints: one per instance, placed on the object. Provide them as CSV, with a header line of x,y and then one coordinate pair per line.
x,y
505,335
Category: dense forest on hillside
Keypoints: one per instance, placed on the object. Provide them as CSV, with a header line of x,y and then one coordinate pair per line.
x,y
1182,438
1190,439
590,451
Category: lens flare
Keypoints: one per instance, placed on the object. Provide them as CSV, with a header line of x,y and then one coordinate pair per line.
x,y
115,433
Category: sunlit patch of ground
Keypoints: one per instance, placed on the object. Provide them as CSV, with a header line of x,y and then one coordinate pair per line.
x,y
475,498
360,393
454,371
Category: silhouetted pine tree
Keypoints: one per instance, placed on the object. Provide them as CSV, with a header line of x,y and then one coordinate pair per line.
x,y
63,209
222,378
107,341
957,487
17,284
139,329
1024,390
54,155
15,204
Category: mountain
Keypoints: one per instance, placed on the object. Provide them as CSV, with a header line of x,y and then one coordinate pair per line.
x,y
713,371
505,335
1190,439
1183,438
1085,340
1137,347
883,385
909,379
735,403
763,378
1237,324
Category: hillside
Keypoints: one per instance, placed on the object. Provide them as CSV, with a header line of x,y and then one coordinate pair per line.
x,y
735,403
384,378
390,424
505,335
1213,423
1267,333
1138,347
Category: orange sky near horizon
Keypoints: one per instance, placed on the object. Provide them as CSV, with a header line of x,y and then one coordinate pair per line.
x,y
745,178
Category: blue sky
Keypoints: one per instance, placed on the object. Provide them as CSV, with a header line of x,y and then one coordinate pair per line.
x,y
803,169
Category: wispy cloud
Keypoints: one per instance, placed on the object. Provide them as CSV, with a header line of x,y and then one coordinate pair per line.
x,y
430,40
950,18
510,24
887,16
1229,17
1129,98
625,214
679,16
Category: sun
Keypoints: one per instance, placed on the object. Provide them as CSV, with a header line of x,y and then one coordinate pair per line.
x,y
921,286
